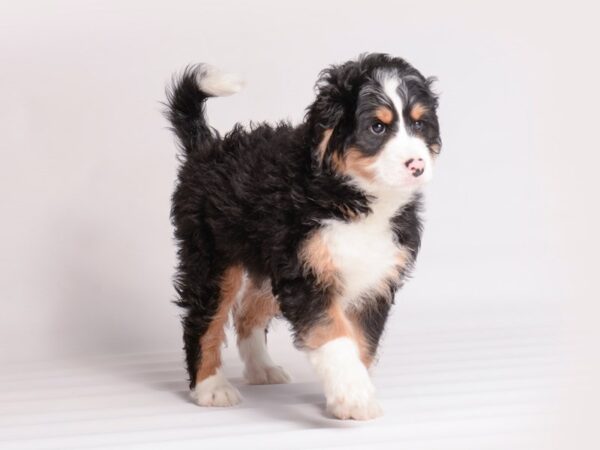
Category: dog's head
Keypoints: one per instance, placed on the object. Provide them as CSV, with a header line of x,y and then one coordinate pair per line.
x,y
374,120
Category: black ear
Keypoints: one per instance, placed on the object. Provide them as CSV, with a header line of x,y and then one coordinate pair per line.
x,y
337,91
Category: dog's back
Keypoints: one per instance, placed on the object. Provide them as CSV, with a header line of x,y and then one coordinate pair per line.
x,y
251,189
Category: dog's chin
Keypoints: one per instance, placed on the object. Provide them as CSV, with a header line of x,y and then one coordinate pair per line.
x,y
402,183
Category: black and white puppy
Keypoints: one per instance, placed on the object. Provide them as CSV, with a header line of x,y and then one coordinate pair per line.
x,y
317,222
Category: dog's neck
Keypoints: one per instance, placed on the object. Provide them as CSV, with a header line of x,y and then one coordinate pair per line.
x,y
386,201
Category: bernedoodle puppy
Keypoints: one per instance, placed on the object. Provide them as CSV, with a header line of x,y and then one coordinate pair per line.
x,y
317,222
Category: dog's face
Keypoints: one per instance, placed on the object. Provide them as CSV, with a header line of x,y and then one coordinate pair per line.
x,y
375,122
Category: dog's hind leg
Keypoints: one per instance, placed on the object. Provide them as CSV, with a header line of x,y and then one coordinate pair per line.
x,y
252,315
204,335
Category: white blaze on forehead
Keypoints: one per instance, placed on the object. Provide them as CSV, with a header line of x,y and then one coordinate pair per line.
x,y
390,167
390,85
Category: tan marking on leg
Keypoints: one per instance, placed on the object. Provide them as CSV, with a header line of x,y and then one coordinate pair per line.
x,y
256,308
211,341
316,258
417,111
384,114
337,324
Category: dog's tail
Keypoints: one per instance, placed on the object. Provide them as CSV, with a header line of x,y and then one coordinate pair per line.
x,y
185,102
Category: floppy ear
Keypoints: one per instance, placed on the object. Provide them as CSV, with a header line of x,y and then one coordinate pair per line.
x,y
333,109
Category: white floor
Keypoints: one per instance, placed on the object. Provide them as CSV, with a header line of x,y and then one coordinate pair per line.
x,y
477,384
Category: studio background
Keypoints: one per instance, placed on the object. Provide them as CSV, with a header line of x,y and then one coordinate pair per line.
x,y
88,163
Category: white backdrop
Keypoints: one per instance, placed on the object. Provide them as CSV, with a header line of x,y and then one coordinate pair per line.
x,y
88,164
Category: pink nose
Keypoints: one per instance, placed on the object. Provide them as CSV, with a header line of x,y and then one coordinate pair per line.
x,y
416,166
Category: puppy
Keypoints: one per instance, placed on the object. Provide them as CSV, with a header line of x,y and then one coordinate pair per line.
x,y
318,223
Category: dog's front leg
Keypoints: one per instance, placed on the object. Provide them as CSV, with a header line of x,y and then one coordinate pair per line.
x,y
337,348
337,360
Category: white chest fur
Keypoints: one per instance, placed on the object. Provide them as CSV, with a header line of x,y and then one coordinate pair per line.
x,y
365,253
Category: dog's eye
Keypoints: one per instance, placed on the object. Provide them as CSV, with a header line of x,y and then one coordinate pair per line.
x,y
418,125
378,128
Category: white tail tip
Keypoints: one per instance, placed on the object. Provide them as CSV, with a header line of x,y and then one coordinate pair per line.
x,y
218,84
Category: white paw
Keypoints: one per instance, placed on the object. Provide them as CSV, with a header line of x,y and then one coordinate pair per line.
x,y
266,375
216,391
348,388
353,407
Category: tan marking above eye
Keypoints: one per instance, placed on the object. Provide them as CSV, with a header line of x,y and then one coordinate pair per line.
x,y
418,111
384,115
